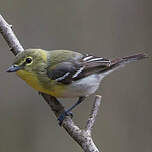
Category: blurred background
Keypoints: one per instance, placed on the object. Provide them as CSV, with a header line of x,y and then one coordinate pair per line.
x,y
107,28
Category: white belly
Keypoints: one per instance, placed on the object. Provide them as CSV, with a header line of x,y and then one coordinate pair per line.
x,y
83,87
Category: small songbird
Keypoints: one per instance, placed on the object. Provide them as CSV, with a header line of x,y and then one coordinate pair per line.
x,y
64,73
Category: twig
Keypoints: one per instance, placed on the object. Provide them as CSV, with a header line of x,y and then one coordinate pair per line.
x,y
93,114
81,136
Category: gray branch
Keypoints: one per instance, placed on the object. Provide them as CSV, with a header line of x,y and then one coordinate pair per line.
x,y
81,136
9,36
93,114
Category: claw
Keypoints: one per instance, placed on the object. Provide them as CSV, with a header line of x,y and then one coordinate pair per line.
x,y
70,114
63,115
68,111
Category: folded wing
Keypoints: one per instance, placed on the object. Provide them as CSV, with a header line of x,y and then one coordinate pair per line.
x,y
66,72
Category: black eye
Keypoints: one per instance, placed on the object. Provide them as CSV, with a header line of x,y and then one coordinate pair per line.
x,y
28,60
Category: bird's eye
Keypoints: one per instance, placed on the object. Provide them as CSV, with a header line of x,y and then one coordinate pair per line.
x,y
28,60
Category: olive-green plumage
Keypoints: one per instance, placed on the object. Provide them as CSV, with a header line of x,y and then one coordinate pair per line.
x,y
36,73
63,73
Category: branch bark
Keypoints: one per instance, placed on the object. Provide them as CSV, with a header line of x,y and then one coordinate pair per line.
x,y
81,136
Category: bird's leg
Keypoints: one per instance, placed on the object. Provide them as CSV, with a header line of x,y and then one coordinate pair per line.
x,y
68,111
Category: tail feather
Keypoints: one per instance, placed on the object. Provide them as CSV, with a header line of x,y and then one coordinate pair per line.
x,y
128,59
120,62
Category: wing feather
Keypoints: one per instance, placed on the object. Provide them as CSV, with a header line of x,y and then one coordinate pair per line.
x,y
71,70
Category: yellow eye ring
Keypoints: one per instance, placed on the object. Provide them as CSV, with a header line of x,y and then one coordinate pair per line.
x,y
29,60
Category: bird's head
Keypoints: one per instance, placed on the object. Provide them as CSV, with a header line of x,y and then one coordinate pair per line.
x,y
30,60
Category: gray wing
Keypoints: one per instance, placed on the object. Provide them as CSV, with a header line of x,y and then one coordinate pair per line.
x,y
63,72
66,72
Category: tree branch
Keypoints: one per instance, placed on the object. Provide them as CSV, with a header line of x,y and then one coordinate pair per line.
x,y
9,36
93,114
81,136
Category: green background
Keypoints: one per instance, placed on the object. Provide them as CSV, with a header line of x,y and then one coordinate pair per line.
x,y
106,28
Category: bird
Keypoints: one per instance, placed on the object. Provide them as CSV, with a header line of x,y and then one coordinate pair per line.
x,y
65,73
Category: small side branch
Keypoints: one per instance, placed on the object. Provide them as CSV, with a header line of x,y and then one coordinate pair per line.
x,y
92,118
81,136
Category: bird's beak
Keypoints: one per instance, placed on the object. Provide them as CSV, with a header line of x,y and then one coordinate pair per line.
x,y
13,68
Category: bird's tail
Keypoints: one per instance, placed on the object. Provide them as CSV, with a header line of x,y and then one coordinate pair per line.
x,y
120,62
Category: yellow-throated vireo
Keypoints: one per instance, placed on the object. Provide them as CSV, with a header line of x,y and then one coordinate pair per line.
x,y
64,73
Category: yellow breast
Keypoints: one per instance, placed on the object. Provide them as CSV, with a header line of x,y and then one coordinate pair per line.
x,y
32,80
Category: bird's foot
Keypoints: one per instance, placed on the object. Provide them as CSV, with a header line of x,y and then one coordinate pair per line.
x,y
63,115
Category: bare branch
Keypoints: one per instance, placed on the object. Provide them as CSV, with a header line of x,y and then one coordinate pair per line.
x,y
82,137
92,117
9,36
